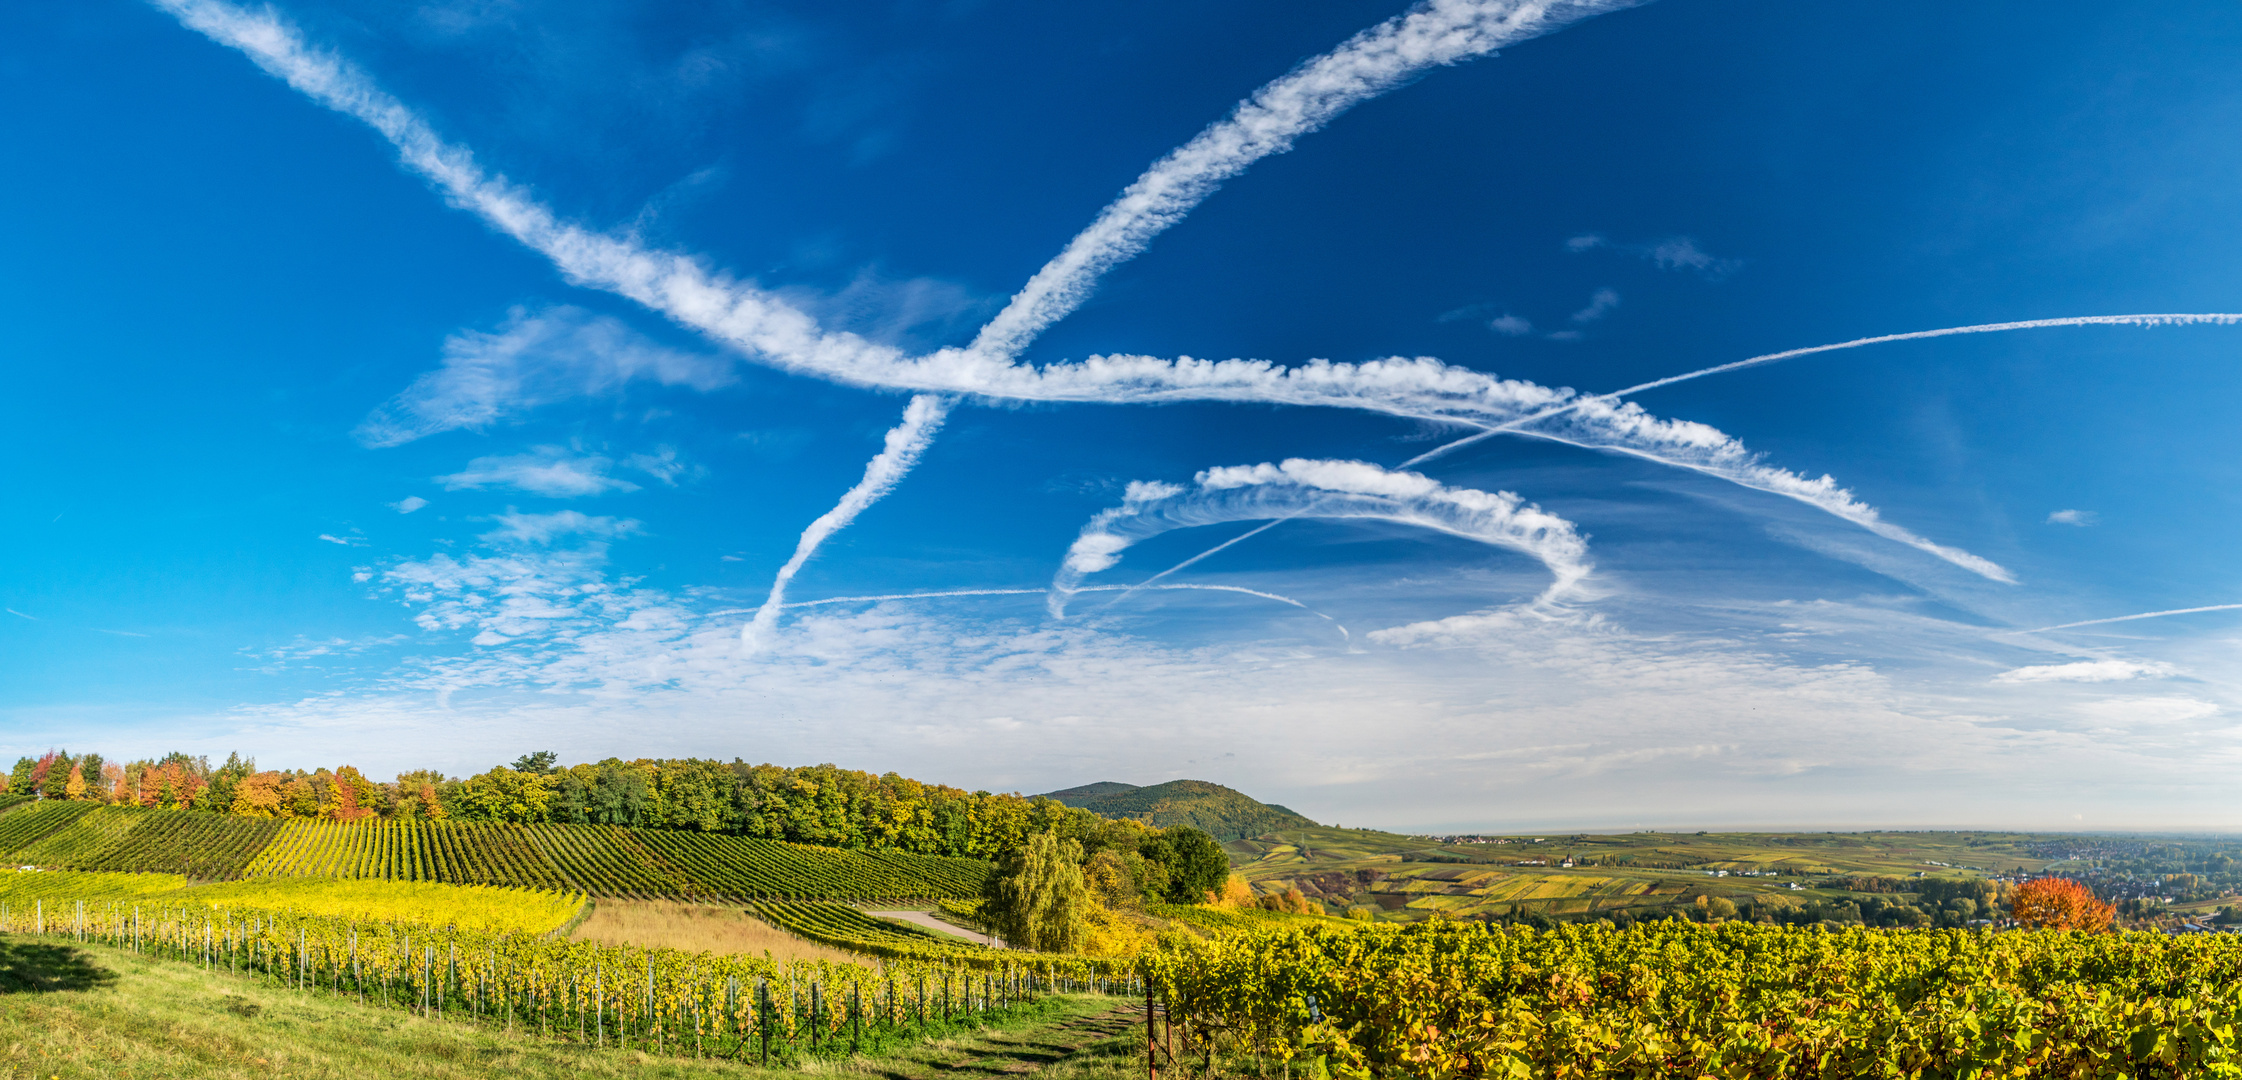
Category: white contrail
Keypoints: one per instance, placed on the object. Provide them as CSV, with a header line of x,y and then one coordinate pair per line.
x,y
1627,429
1432,34
905,442
766,328
1326,489
1124,589
1843,506
2212,318
2129,618
769,330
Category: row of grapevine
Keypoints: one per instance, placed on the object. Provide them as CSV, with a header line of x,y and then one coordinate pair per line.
x,y
1733,1000
608,860
468,853
481,907
24,826
206,847
652,1000
89,833
736,867
601,860
848,927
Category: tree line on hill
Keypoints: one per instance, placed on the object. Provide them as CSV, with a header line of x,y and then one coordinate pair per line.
x,y
814,804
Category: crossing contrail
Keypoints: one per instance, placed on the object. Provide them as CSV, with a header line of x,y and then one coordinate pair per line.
x,y
2128,618
905,442
1124,589
2214,318
1300,487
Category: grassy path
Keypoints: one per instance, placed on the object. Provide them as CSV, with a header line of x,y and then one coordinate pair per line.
x,y
99,1013
1093,1043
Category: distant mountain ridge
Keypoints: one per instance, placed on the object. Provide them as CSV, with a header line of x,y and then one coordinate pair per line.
x,y
1227,813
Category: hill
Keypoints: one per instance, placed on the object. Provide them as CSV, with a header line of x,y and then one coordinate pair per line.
x,y
1227,813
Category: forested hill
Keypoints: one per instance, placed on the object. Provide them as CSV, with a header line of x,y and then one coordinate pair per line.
x,y
1226,812
815,804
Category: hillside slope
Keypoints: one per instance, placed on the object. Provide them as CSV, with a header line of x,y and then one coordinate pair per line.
x,y
1227,813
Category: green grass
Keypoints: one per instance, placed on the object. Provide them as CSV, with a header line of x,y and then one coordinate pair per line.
x,y
74,1011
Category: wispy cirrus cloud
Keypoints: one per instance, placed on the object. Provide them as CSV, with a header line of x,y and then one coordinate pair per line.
x,y
408,504
2087,671
2081,518
545,470
535,358
1671,253
1602,303
519,528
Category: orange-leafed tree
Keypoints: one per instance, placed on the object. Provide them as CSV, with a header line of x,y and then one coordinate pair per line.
x,y
350,797
75,787
2051,903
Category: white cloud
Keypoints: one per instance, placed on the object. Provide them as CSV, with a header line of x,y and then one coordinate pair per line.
x,y
2088,671
534,359
664,465
1682,253
2080,518
520,528
1671,253
1553,716
1599,305
1511,326
2149,711
346,541
408,504
546,470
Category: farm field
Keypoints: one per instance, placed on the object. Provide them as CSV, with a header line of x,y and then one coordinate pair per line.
x,y
1410,877
598,860
671,924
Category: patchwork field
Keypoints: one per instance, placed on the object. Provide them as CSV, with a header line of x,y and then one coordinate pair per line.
x,y
1398,876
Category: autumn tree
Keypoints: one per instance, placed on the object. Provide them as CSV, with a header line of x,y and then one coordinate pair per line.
x,y
1038,899
259,795
349,796
75,786
43,776
2052,903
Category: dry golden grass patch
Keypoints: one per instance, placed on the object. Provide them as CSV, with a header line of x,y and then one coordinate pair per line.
x,y
698,928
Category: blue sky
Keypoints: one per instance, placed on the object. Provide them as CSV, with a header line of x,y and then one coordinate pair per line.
x,y
419,385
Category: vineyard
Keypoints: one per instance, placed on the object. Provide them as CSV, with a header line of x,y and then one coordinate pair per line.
x,y
1734,1000
198,845
475,906
654,1000
848,927
599,860
25,826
